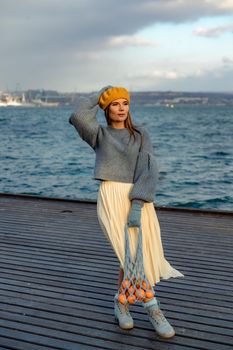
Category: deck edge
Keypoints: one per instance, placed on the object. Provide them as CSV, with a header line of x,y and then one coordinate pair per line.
x,y
94,201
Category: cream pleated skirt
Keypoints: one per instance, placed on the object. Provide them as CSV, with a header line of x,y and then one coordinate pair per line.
x,y
113,207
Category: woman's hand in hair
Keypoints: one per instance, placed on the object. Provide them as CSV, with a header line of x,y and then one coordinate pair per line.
x,y
95,96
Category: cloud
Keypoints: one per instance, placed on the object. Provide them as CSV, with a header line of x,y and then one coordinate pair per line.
x,y
226,4
48,43
214,31
179,11
227,61
130,40
170,75
77,25
216,78
157,75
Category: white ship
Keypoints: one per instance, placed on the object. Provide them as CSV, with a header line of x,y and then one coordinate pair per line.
x,y
8,100
39,103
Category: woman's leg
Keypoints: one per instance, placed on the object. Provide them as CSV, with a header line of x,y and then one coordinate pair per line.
x,y
120,277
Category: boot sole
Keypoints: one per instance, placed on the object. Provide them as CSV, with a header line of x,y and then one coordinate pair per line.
x,y
166,337
127,327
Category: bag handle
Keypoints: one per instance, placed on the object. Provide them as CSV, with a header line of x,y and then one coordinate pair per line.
x,y
136,266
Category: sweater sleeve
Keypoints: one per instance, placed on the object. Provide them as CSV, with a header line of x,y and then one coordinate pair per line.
x,y
146,173
84,120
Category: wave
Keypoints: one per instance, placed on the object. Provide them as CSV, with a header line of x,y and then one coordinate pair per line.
x,y
212,203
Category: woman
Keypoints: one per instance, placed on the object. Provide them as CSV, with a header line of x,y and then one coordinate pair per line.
x,y
126,191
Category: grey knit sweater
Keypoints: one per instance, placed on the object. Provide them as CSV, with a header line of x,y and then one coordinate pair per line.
x,y
117,152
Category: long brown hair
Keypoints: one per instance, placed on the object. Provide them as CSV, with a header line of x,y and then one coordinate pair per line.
x,y
133,128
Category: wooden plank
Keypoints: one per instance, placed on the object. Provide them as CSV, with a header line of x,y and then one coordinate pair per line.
x,y
220,315
13,344
178,234
51,256
99,320
194,283
11,264
77,328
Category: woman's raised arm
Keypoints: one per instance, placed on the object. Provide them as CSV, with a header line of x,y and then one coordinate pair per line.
x,y
84,118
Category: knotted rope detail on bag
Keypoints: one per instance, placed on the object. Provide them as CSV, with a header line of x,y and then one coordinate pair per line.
x,y
135,285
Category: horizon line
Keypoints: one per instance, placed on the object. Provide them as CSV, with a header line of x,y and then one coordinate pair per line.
x,y
131,91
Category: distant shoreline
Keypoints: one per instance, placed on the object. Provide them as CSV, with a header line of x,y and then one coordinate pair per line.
x,y
52,98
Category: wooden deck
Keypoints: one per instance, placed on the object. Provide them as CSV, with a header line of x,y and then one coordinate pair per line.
x,y
58,276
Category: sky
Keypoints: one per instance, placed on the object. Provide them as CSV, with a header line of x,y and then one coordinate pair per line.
x,y
143,45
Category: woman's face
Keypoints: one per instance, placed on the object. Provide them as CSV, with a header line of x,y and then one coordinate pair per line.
x,y
118,110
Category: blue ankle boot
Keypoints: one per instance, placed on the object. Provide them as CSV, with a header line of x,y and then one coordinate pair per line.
x,y
122,314
158,320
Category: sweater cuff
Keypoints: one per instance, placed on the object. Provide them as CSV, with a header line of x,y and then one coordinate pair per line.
x,y
138,201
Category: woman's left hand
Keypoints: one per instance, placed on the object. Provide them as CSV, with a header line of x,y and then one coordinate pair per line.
x,y
134,219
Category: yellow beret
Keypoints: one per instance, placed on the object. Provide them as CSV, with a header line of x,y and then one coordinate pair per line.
x,y
112,94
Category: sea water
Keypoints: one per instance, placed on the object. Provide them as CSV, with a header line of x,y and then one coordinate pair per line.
x,y
42,154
